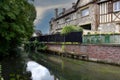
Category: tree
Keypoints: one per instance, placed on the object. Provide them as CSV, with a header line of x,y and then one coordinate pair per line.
x,y
71,28
68,29
16,24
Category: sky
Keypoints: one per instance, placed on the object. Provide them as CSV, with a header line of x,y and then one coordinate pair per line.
x,y
45,11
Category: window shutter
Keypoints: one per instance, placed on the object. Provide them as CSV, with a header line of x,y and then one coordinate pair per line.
x,y
110,7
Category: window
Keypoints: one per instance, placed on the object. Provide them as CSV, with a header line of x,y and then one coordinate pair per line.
x,y
87,26
67,19
116,6
85,12
110,7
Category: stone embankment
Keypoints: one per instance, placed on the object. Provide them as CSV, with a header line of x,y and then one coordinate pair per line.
x,y
99,52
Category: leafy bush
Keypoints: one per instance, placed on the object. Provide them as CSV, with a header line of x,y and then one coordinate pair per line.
x,y
71,28
42,46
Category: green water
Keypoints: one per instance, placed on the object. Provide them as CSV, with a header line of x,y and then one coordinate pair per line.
x,y
60,68
13,69
70,69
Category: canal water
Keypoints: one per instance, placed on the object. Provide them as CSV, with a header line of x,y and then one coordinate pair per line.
x,y
41,66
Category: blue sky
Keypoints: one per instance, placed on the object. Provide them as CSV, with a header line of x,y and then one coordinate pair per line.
x,y
45,11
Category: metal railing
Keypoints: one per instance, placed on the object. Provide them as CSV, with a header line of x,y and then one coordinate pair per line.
x,y
102,39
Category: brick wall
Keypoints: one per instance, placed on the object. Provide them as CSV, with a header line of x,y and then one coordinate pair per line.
x,y
105,53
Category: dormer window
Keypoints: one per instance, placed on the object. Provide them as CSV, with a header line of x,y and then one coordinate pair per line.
x,y
116,6
67,19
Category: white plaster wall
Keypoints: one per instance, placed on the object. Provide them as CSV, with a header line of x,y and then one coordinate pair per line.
x,y
108,28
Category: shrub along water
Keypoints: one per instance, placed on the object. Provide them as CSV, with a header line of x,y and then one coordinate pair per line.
x,y
34,46
16,24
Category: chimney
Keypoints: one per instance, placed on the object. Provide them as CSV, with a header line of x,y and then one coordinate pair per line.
x,y
64,10
56,12
73,4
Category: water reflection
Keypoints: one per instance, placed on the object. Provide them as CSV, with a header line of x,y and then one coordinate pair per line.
x,y
38,71
69,69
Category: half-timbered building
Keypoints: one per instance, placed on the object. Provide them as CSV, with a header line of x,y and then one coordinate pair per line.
x,y
92,15
109,16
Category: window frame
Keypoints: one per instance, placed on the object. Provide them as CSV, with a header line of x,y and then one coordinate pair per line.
x,y
68,19
83,11
116,6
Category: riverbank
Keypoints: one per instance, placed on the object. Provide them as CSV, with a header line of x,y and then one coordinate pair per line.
x,y
103,53
59,67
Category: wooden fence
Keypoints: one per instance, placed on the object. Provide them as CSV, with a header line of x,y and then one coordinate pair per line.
x,y
71,37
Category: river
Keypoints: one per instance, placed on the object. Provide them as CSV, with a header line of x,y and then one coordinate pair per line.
x,y
51,67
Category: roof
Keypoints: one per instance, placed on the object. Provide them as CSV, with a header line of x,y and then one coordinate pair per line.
x,y
68,11
77,2
101,1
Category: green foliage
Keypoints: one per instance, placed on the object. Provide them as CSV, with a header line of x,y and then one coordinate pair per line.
x,y
27,46
35,43
1,78
67,29
16,24
88,33
71,28
79,29
63,47
18,77
34,46
42,46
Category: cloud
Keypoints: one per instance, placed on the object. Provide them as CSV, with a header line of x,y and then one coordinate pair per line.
x,y
52,2
44,6
38,71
